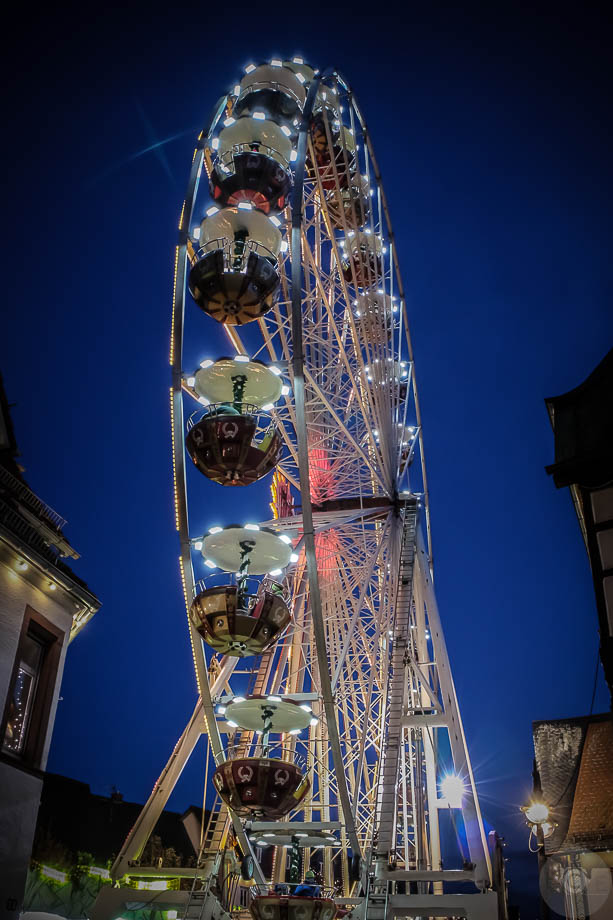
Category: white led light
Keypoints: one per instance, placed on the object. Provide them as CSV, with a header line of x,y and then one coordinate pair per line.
x,y
198,545
259,116
284,246
293,156
215,143
22,565
196,233
285,538
238,699
275,370
212,210
298,60
241,359
273,699
276,572
237,89
52,586
295,731
245,206
301,77
190,381
276,63
206,363
215,529
204,401
211,565
228,121
285,130
284,390
294,557
452,788
305,707
275,220
232,724
252,526
221,710
249,68
268,407
313,721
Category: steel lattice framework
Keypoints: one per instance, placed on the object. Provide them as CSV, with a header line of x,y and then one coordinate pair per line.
x,y
366,642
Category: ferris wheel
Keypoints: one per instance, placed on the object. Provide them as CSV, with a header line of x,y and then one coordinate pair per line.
x,y
325,690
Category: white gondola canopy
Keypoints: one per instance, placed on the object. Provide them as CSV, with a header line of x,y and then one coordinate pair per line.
x,y
217,382
231,224
231,547
273,713
250,132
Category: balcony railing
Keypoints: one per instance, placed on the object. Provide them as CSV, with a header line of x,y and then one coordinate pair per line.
x,y
21,491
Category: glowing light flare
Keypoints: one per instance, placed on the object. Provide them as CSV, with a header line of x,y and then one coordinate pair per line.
x,y
453,790
536,812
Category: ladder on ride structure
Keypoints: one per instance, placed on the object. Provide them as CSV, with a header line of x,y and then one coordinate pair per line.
x,y
219,818
215,830
387,805
199,894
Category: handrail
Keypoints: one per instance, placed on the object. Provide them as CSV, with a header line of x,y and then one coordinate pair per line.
x,y
235,253
268,84
273,751
225,159
216,410
30,498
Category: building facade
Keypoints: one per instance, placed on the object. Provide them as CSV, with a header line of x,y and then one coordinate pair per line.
x,y
43,606
573,764
582,422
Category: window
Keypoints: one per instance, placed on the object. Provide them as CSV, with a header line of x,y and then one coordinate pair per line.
x,y
23,693
28,703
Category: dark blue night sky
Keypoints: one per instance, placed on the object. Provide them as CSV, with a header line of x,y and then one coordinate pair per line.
x,y
490,129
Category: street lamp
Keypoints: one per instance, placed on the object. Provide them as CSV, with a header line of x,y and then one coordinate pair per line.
x,y
537,818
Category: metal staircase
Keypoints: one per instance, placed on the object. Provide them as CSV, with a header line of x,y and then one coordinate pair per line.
x,y
387,802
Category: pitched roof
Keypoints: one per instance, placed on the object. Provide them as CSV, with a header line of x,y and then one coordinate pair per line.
x,y
574,765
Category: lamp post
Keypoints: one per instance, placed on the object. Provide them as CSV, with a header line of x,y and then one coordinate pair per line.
x,y
536,814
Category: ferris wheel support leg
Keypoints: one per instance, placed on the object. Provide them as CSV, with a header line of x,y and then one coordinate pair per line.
x,y
471,812
153,808
435,842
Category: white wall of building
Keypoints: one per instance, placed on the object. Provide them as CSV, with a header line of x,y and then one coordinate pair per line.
x,y
20,787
